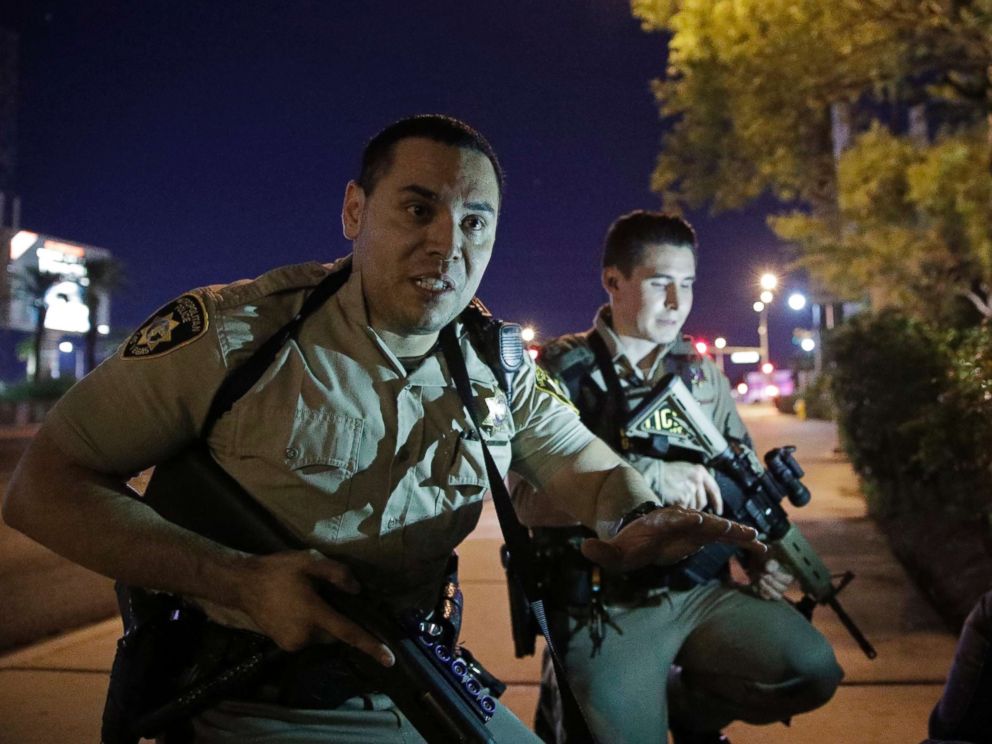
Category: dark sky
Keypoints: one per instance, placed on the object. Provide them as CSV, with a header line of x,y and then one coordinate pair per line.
x,y
207,141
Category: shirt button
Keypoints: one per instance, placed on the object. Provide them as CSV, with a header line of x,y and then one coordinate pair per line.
x,y
292,453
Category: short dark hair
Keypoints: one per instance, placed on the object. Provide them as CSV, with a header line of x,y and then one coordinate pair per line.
x,y
378,153
630,234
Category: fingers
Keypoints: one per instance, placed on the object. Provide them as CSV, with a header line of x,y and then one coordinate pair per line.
x,y
724,530
337,626
331,571
714,499
771,587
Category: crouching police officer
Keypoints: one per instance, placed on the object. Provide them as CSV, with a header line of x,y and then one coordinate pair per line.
x,y
353,438
645,655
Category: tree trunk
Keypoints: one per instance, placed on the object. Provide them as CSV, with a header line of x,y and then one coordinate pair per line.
x,y
39,340
89,359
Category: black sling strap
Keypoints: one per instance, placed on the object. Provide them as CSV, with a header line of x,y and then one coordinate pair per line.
x,y
244,377
515,534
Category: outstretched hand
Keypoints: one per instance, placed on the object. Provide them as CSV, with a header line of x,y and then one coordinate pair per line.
x,y
668,535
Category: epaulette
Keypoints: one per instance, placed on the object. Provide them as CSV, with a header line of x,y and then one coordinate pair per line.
x,y
279,279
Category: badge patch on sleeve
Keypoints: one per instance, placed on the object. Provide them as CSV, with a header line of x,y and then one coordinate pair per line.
x,y
172,327
546,384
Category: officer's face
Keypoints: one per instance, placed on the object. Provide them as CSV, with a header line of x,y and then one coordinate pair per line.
x,y
424,236
654,301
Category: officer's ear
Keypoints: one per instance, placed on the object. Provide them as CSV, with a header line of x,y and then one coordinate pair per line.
x,y
611,279
352,210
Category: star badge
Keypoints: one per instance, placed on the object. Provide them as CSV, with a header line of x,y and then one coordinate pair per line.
x,y
498,412
158,331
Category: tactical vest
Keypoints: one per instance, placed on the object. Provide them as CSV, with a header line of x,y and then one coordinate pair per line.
x,y
604,411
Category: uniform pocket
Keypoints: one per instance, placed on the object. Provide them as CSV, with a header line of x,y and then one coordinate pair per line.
x,y
307,442
468,468
321,440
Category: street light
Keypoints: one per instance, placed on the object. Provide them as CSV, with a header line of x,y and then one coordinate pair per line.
x,y
768,281
797,301
528,334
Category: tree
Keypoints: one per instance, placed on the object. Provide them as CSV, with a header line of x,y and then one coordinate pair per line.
x,y
33,285
105,275
767,95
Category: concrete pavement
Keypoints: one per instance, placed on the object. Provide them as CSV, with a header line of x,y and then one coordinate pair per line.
x,y
53,691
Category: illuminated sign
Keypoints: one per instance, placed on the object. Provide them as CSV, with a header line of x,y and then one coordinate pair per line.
x,y
40,263
745,357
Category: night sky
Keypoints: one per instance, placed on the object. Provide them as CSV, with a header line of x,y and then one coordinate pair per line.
x,y
203,142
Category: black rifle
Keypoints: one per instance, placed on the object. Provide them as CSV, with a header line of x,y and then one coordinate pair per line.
x,y
435,686
670,423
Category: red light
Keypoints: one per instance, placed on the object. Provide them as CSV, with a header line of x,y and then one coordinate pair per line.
x,y
534,352
702,347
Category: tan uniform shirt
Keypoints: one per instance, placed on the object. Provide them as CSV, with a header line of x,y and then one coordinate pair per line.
x,y
359,457
710,388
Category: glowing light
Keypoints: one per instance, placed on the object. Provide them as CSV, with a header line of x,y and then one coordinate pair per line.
x,y
767,368
533,353
766,297
797,301
742,388
807,344
66,347
758,306
768,281
528,334
702,347
720,342
103,329
771,391
21,242
745,357
66,310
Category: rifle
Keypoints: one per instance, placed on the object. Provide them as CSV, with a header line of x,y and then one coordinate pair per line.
x,y
437,687
669,421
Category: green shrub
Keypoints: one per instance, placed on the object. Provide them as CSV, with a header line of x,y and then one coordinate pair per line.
x,y
819,399
43,390
888,373
914,410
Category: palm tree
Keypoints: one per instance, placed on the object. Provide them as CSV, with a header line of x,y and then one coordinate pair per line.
x,y
34,284
105,275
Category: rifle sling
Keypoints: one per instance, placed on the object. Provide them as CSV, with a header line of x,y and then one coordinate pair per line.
x,y
517,536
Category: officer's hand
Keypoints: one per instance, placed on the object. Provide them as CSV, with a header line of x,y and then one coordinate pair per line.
x,y
278,593
668,535
690,485
771,580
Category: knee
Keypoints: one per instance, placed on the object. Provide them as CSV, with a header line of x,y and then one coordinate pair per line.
x,y
814,676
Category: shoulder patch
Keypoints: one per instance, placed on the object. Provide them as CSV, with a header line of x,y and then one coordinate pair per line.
x,y
546,384
172,327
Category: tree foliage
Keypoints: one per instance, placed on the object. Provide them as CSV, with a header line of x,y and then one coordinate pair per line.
x,y
765,96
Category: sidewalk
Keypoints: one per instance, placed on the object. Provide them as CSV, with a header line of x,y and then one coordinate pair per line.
x,y
53,692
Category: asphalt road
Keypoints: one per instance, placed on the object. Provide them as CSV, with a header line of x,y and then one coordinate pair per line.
x,y
41,594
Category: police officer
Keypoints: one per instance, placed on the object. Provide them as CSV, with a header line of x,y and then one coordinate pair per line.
x,y
737,653
354,438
